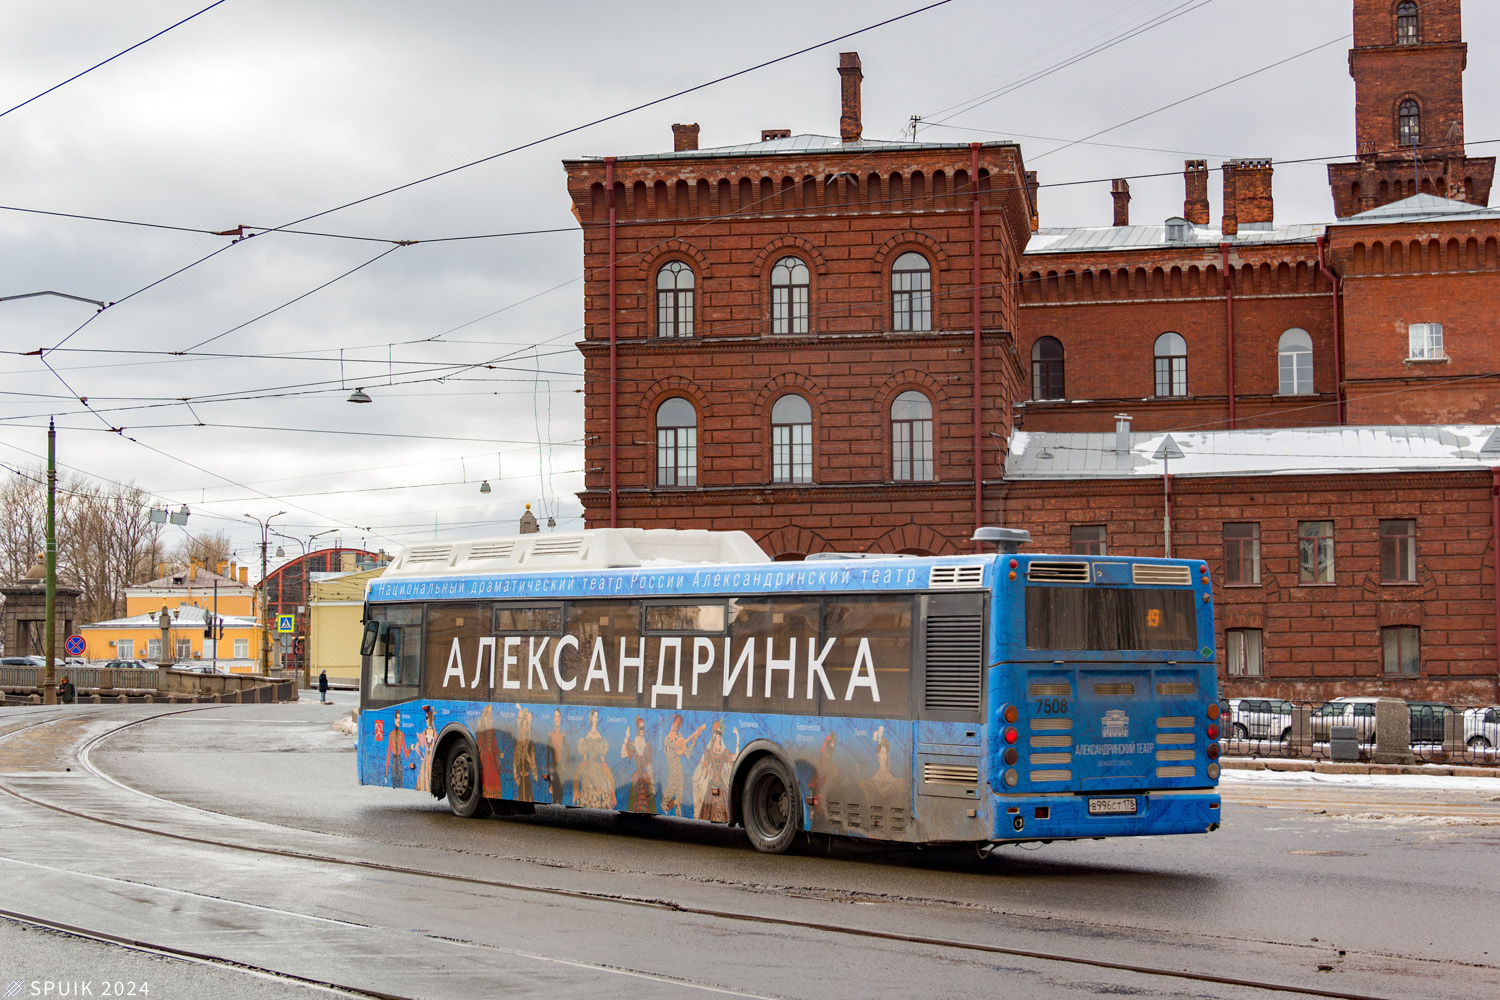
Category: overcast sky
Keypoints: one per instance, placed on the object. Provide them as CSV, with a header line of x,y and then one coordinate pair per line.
x,y
261,112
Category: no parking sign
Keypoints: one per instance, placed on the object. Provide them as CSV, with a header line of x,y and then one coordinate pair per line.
x,y
75,645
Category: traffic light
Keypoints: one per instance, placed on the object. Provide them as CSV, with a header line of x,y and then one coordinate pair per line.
x,y
208,626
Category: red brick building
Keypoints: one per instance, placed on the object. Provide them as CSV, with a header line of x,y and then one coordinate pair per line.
x,y
836,343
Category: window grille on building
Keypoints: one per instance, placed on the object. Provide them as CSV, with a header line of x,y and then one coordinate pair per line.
x,y
1047,369
676,443
1242,553
911,438
1171,365
789,296
791,440
911,292
674,300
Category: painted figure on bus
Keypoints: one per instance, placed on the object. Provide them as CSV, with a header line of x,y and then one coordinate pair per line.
x,y
677,747
523,758
711,776
883,788
824,783
594,784
557,758
426,740
395,750
490,754
642,780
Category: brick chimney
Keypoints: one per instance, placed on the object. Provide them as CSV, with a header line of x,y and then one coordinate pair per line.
x,y
1231,223
1195,181
767,134
684,137
1252,191
850,75
1120,189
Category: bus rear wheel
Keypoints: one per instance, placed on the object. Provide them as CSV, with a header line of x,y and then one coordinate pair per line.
x,y
465,796
771,807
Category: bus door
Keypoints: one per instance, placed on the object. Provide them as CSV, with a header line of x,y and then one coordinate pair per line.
x,y
948,702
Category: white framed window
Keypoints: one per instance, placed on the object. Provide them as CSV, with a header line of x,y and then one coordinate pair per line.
x,y
789,296
791,440
1294,352
1243,647
184,649
242,649
911,292
125,648
153,650
1171,365
911,438
676,443
1425,342
674,300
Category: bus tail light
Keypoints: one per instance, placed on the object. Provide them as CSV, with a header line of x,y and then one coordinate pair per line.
x,y
1213,751
1010,714
1011,735
1213,710
1011,756
1213,730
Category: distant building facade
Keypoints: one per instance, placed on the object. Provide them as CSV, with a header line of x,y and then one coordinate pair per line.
x,y
841,344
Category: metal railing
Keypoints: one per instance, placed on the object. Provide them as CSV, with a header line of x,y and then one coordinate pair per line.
x,y
1368,730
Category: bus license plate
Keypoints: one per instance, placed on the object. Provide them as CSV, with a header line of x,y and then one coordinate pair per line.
x,y
1112,807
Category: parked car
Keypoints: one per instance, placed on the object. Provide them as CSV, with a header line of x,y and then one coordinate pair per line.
x,y
127,665
22,661
1260,719
1482,728
1426,719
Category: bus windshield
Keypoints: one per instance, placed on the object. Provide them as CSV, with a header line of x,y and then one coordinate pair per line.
x,y
1109,619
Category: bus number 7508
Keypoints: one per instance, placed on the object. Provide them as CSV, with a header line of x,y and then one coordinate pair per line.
x,y
1052,706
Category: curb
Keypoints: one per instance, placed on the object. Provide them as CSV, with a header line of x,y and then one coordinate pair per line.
x,y
1322,767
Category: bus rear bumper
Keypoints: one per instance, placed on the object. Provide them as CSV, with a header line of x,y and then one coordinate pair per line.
x,y
1100,814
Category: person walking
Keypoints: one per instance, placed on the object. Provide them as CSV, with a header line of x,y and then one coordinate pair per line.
x,y
322,687
66,693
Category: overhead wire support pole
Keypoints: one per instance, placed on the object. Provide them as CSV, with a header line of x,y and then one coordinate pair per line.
x,y
265,604
49,682
978,347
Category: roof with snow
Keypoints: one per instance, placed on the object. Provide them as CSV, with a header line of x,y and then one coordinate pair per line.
x,y
806,143
1278,452
1078,240
183,616
199,577
1422,208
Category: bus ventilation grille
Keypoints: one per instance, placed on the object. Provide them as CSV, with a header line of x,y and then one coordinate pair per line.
x,y
557,546
1162,576
955,576
955,662
492,550
428,554
966,775
1057,572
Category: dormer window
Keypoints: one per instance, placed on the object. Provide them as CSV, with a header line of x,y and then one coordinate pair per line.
x,y
1406,23
1179,230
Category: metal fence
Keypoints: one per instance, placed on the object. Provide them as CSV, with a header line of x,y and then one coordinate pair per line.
x,y
1369,730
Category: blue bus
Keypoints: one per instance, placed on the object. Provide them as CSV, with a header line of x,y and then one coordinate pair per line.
x,y
992,698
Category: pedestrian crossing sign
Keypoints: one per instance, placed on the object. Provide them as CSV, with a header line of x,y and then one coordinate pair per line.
x,y
286,623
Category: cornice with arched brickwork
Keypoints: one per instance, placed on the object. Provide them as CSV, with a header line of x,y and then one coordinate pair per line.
x,y
909,240
788,381
907,379
660,253
793,538
672,385
790,244
915,536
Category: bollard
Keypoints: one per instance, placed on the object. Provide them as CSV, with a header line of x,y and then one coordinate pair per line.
x,y
123,699
1453,735
1299,741
1343,744
1392,732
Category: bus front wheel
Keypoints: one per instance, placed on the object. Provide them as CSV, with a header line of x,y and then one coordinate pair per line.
x,y
770,806
465,796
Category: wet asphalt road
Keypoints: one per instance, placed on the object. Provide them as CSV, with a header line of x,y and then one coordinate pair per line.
x,y
1386,889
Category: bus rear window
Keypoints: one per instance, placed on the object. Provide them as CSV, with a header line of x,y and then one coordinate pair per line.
x,y
1099,618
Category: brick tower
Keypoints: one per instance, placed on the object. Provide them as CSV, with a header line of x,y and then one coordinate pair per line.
x,y
1408,63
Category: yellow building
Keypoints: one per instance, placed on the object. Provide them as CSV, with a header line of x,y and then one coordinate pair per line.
x,y
335,627
196,588
235,647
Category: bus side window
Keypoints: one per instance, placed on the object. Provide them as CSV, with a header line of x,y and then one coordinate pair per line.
x,y
393,654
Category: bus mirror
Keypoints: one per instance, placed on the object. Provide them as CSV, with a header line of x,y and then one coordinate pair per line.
x,y
371,636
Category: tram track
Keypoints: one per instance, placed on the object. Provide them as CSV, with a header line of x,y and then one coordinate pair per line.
x,y
781,922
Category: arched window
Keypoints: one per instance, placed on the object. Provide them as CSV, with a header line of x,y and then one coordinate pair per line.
x,y
911,438
1295,355
791,440
789,285
1047,369
1171,365
1409,124
1406,24
911,292
674,300
676,443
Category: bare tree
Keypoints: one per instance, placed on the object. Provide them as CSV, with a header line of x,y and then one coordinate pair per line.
x,y
23,521
106,542
208,550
